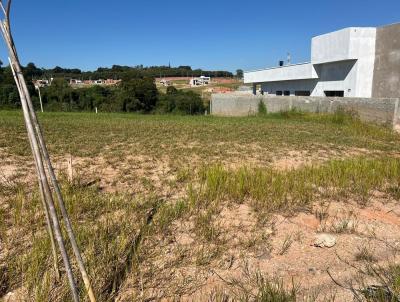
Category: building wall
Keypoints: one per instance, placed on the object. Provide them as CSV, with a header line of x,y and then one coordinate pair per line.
x,y
292,86
383,111
350,50
331,47
332,76
291,72
363,46
386,82
337,76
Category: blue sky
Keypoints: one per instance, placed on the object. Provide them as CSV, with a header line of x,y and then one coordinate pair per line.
x,y
219,34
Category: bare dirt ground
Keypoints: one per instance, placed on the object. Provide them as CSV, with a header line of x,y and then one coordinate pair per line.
x,y
140,173
283,247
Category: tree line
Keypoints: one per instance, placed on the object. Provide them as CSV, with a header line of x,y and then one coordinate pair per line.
x,y
121,72
136,93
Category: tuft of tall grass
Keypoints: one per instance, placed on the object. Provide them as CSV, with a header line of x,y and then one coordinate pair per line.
x,y
262,109
274,291
386,287
255,286
292,114
106,225
272,190
342,116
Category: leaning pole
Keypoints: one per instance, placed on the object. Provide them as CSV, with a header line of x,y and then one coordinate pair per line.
x,y
42,161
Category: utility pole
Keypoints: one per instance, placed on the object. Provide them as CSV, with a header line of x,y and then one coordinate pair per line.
x,y
40,98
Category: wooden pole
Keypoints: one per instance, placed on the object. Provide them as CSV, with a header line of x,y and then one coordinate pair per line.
x,y
40,99
70,170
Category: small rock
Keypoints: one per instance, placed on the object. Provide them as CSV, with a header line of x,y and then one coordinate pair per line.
x,y
269,231
376,292
324,240
264,255
15,296
312,270
227,261
10,297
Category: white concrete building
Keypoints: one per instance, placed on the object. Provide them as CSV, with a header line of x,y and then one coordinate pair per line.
x,y
343,64
201,81
75,82
99,82
42,83
165,82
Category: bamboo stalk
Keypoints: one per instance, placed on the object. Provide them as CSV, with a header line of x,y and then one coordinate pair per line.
x,y
46,189
50,168
40,99
60,199
48,199
61,204
24,94
51,234
45,207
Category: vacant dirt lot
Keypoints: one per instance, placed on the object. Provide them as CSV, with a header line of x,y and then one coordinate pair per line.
x,y
293,207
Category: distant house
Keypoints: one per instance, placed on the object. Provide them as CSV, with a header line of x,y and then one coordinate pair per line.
x,y
112,82
201,81
75,82
108,82
42,83
99,82
165,82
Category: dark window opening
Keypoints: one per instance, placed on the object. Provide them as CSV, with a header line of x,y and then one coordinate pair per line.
x,y
302,93
279,93
286,92
335,93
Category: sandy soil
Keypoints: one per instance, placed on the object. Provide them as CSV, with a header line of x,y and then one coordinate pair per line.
x,y
141,173
185,268
282,248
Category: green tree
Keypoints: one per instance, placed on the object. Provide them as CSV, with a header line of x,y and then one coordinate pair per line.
x,y
138,94
31,71
171,90
180,102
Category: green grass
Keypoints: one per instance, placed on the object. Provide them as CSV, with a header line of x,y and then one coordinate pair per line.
x,y
107,242
257,287
199,150
181,137
271,190
96,217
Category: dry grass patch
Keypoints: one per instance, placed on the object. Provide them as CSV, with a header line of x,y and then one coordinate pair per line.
x,y
200,196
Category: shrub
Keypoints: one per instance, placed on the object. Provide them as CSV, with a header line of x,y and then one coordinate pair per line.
x,y
134,95
262,109
180,102
292,113
341,115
